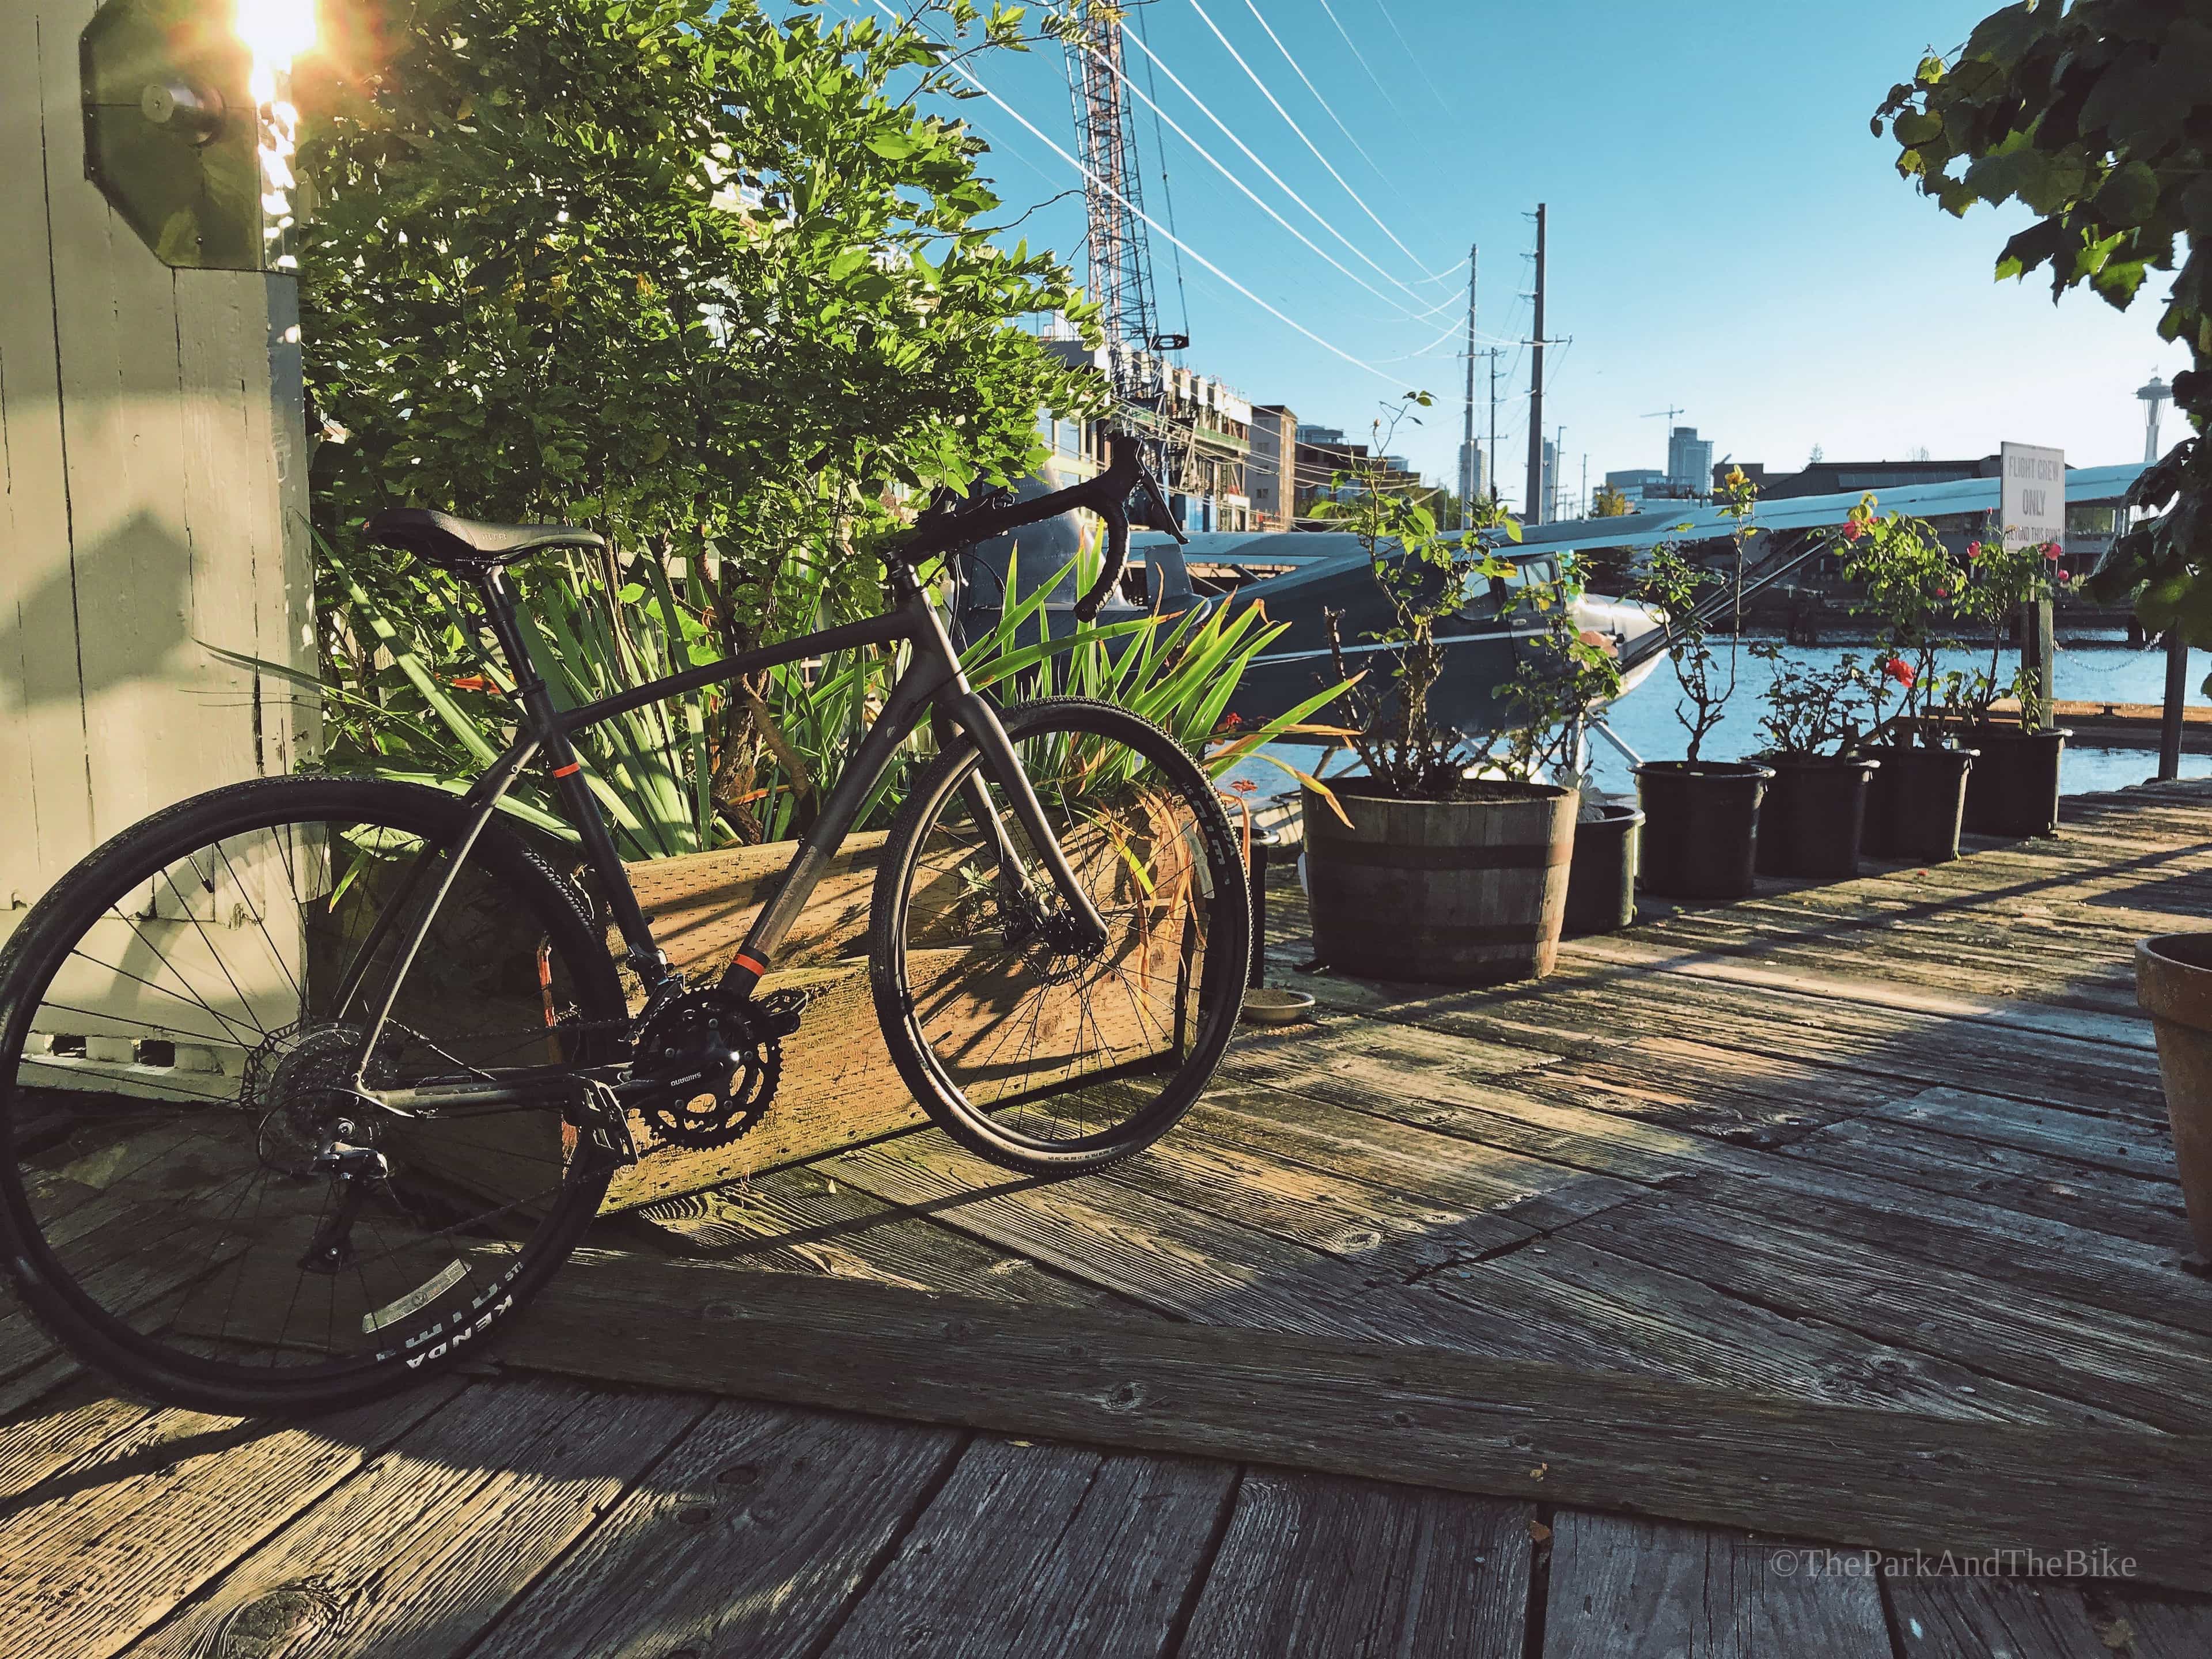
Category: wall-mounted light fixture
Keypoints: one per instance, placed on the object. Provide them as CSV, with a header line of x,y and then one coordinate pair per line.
x,y
189,125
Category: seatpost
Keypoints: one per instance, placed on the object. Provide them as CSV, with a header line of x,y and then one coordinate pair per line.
x,y
543,722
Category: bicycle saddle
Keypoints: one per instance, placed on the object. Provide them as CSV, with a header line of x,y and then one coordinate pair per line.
x,y
465,544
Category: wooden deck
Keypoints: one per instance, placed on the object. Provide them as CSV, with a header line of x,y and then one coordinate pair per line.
x,y
1846,1214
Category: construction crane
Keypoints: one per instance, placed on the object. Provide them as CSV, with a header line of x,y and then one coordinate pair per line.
x,y
1118,258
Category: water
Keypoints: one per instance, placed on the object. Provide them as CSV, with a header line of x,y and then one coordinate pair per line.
x,y
1645,719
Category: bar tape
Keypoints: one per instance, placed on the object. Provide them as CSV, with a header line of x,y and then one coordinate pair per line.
x,y
563,771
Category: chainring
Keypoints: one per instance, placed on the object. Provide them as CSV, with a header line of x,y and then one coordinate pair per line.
x,y
719,1056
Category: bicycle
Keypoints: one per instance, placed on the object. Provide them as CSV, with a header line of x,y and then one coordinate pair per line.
x,y
308,1082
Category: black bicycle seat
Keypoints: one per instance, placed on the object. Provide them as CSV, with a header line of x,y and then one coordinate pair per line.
x,y
465,544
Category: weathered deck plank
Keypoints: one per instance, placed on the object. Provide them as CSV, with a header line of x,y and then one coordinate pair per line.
x,y
1621,1586
1033,1552
106,1546
1388,1410
752,1537
412,1557
1315,1567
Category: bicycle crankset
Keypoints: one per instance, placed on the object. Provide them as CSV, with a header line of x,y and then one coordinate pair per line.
x,y
717,1056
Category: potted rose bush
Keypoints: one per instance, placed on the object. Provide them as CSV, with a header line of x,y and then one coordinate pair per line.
x,y
1701,817
1916,589
2013,789
1815,717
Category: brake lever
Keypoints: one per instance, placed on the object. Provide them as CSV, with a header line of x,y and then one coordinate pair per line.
x,y
1162,517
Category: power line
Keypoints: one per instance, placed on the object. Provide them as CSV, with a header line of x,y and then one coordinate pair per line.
x,y
1312,211
1327,108
1030,126
1160,114
1418,69
1253,76
1364,64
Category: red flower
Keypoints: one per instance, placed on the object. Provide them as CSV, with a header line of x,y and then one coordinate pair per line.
x,y
1899,670
1231,722
2062,573
1973,550
470,682
1942,592
1853,530
2050,551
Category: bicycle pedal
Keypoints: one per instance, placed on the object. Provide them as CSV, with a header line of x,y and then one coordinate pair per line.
x,y
777,1014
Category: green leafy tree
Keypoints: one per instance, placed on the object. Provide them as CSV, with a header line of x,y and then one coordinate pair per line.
x,y
2096,116
711,283
664,266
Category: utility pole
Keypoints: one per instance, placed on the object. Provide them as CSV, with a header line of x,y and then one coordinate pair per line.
x,y
1468,468
1558,460
1493,354
1535,504
1584,514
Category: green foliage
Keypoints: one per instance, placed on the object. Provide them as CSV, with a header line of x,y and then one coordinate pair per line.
x,y
1607,502
1424,575
2001,579
1678,586
1916,592
2096,117
697,278
1813,712
1562,675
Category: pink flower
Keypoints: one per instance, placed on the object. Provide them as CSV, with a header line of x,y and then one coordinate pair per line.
x,y
1853,530
2050,551
1973,550
1942,592
2062,573
1899,670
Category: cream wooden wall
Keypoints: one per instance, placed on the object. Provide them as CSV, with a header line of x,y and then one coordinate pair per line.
x,y
152,493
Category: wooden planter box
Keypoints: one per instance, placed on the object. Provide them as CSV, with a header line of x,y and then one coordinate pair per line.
x,y
838,1085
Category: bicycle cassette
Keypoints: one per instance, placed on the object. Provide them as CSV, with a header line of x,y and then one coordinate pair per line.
x,y
717,1057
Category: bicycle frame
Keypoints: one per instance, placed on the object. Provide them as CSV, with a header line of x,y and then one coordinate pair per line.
x,y
932,683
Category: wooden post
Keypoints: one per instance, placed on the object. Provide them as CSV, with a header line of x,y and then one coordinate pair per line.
x,y
2177,695
2038,645
153,489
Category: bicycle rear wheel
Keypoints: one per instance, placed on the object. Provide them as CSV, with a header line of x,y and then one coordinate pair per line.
x,y
1026,1048
183,1019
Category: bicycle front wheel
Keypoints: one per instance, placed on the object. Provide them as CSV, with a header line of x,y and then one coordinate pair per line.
x,y
1038,1052
195,1196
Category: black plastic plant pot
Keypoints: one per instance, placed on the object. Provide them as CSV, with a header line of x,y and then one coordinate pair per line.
x,y
1815,817
1918,803
1602,875
2013,788
1700,837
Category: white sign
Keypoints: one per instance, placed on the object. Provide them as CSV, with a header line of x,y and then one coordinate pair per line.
x,y
2031,495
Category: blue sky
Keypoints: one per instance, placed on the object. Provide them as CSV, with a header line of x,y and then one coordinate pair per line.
x,y
1725,234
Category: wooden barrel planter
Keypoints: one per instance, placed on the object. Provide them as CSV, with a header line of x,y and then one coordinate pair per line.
x,y
1470,891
